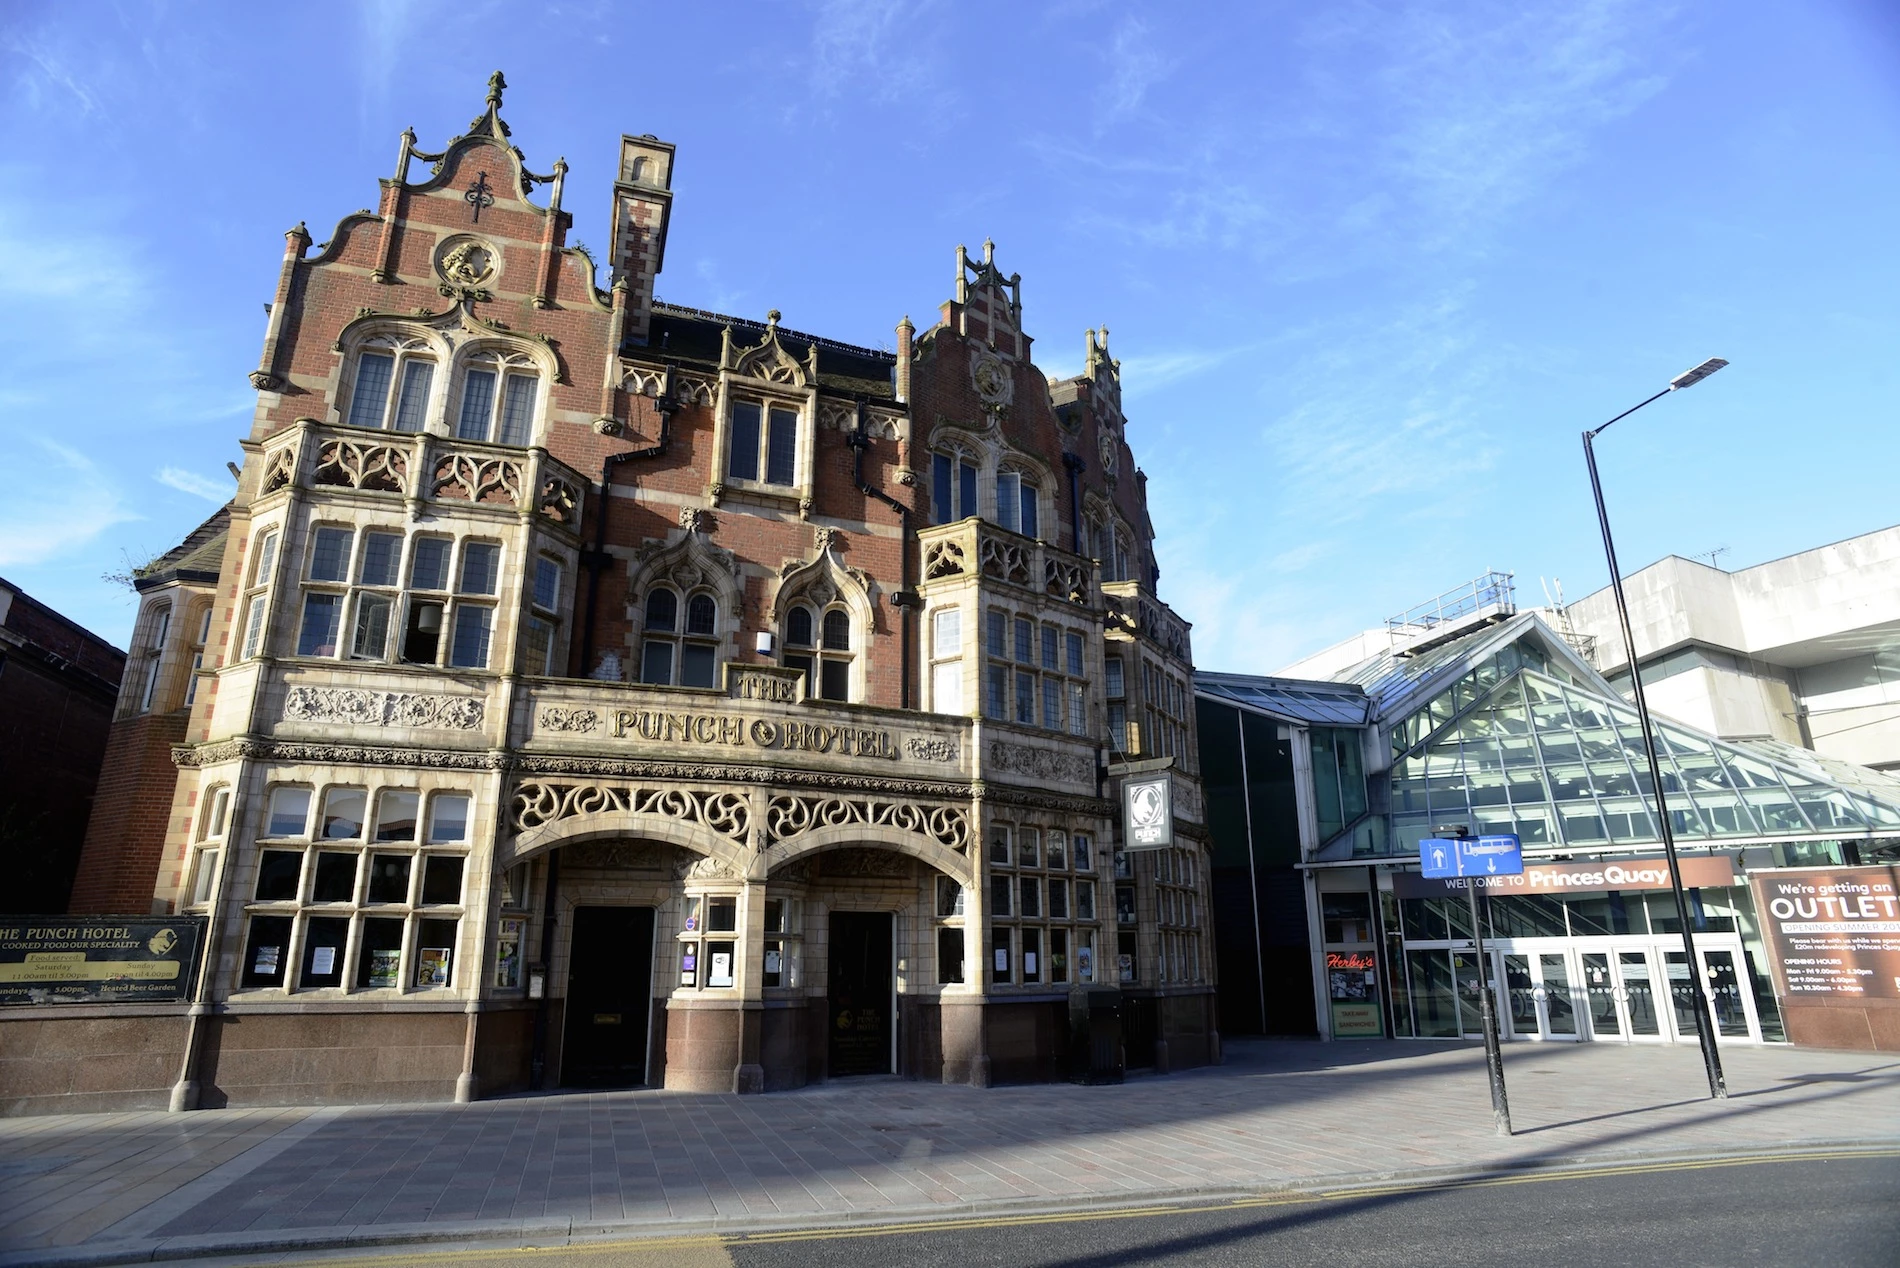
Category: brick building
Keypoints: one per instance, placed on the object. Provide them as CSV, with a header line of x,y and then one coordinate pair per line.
x,y
601,692
58,681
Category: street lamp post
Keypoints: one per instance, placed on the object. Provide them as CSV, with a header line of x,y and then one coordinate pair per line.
x,y
1711,1059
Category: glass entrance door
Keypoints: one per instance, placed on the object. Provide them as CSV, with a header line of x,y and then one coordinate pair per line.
x,y
1538,991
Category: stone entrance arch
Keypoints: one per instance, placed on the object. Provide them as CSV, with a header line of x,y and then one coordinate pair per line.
x,y
800,825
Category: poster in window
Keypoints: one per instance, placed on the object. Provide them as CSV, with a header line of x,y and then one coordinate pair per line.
x,y
689,967
432,966
719,971
1352,982
1085,963
265,962
384,967
773,960
322,961
508,954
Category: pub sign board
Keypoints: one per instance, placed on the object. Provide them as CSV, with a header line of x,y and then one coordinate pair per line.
x,y
1148,813
98,959
1832,932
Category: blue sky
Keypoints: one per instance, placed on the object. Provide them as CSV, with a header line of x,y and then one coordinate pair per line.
x,y
1371,267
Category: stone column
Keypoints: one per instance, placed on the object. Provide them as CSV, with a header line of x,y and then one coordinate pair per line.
x,y
749,1074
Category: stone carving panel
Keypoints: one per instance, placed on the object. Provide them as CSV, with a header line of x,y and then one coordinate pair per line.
x,y
361,706
788,816
560,501
618,854
931,749
1004,560
572,721
279,469
944,559
536,804
870,863
1065,580
1040,763
349,465
475,477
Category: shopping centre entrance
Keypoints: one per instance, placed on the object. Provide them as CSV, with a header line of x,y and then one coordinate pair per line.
x,y
1627,989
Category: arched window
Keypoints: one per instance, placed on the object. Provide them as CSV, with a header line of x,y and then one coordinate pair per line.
x,y
837,631
391,389
151,651
1017,500
798,628
674,657
952,487
499,394
825,659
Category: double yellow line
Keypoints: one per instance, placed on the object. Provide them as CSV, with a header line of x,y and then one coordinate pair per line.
x,y
901,1228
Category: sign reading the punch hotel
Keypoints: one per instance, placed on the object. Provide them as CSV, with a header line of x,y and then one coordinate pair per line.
x,y
1833,932
97,959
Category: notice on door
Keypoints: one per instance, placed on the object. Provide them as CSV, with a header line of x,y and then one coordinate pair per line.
x,y
1832,931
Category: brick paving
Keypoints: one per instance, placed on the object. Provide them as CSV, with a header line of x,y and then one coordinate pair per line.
x,y
97,1187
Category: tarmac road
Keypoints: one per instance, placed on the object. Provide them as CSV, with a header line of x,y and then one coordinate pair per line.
x,y
1841,1211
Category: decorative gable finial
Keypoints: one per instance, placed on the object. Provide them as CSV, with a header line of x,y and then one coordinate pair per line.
x,y
495,86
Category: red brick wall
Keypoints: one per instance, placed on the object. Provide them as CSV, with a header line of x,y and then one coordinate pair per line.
x,y
118,867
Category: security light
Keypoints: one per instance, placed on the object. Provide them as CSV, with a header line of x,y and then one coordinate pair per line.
x,y
1689,378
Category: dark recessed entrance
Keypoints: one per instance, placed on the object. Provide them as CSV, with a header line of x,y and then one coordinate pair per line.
x,y
859,987
609,998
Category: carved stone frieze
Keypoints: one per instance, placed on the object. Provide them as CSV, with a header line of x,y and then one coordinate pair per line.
x,y
702,867
790,815
360,706
349,465
931,749
476,477
534,804
1040,763
193,756
574,721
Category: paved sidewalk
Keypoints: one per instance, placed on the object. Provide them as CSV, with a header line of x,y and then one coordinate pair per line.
x,y
118,1187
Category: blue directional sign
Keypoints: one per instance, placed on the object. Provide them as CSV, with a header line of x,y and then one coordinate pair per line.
x,y
1443,857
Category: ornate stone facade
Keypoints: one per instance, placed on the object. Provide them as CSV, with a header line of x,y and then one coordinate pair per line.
x,y
808,707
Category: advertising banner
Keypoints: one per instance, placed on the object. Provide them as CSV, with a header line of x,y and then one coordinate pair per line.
x,y
1148,813
1352,984
98,959
1832,932
1562,878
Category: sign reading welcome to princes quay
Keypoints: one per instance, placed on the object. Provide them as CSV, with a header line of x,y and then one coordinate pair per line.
x,y
1558,878
98,959
1470,856
1148,812
1833,932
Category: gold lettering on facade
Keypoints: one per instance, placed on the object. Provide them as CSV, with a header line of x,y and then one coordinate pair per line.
x,y
657,727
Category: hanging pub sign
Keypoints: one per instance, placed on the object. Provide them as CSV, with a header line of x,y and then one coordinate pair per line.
x,y
1148,813
98,959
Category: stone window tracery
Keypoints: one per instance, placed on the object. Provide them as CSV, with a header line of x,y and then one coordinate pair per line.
x,y
368,897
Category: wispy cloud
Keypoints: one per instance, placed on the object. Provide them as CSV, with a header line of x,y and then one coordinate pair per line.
x,y
48,80
870,49
214,491
58,502
1135,65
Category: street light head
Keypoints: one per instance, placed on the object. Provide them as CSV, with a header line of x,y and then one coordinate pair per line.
x,y
1689,378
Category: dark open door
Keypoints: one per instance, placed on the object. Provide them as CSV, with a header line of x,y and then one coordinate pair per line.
x,y
609,997
859,986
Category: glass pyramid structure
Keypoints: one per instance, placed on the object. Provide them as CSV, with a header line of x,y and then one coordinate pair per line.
x,y
1508,730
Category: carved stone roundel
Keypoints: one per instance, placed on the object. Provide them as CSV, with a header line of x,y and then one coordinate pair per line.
x,y
466,261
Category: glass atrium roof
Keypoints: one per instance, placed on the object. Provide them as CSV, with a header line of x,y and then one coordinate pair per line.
x,y
1514,745
1294,699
